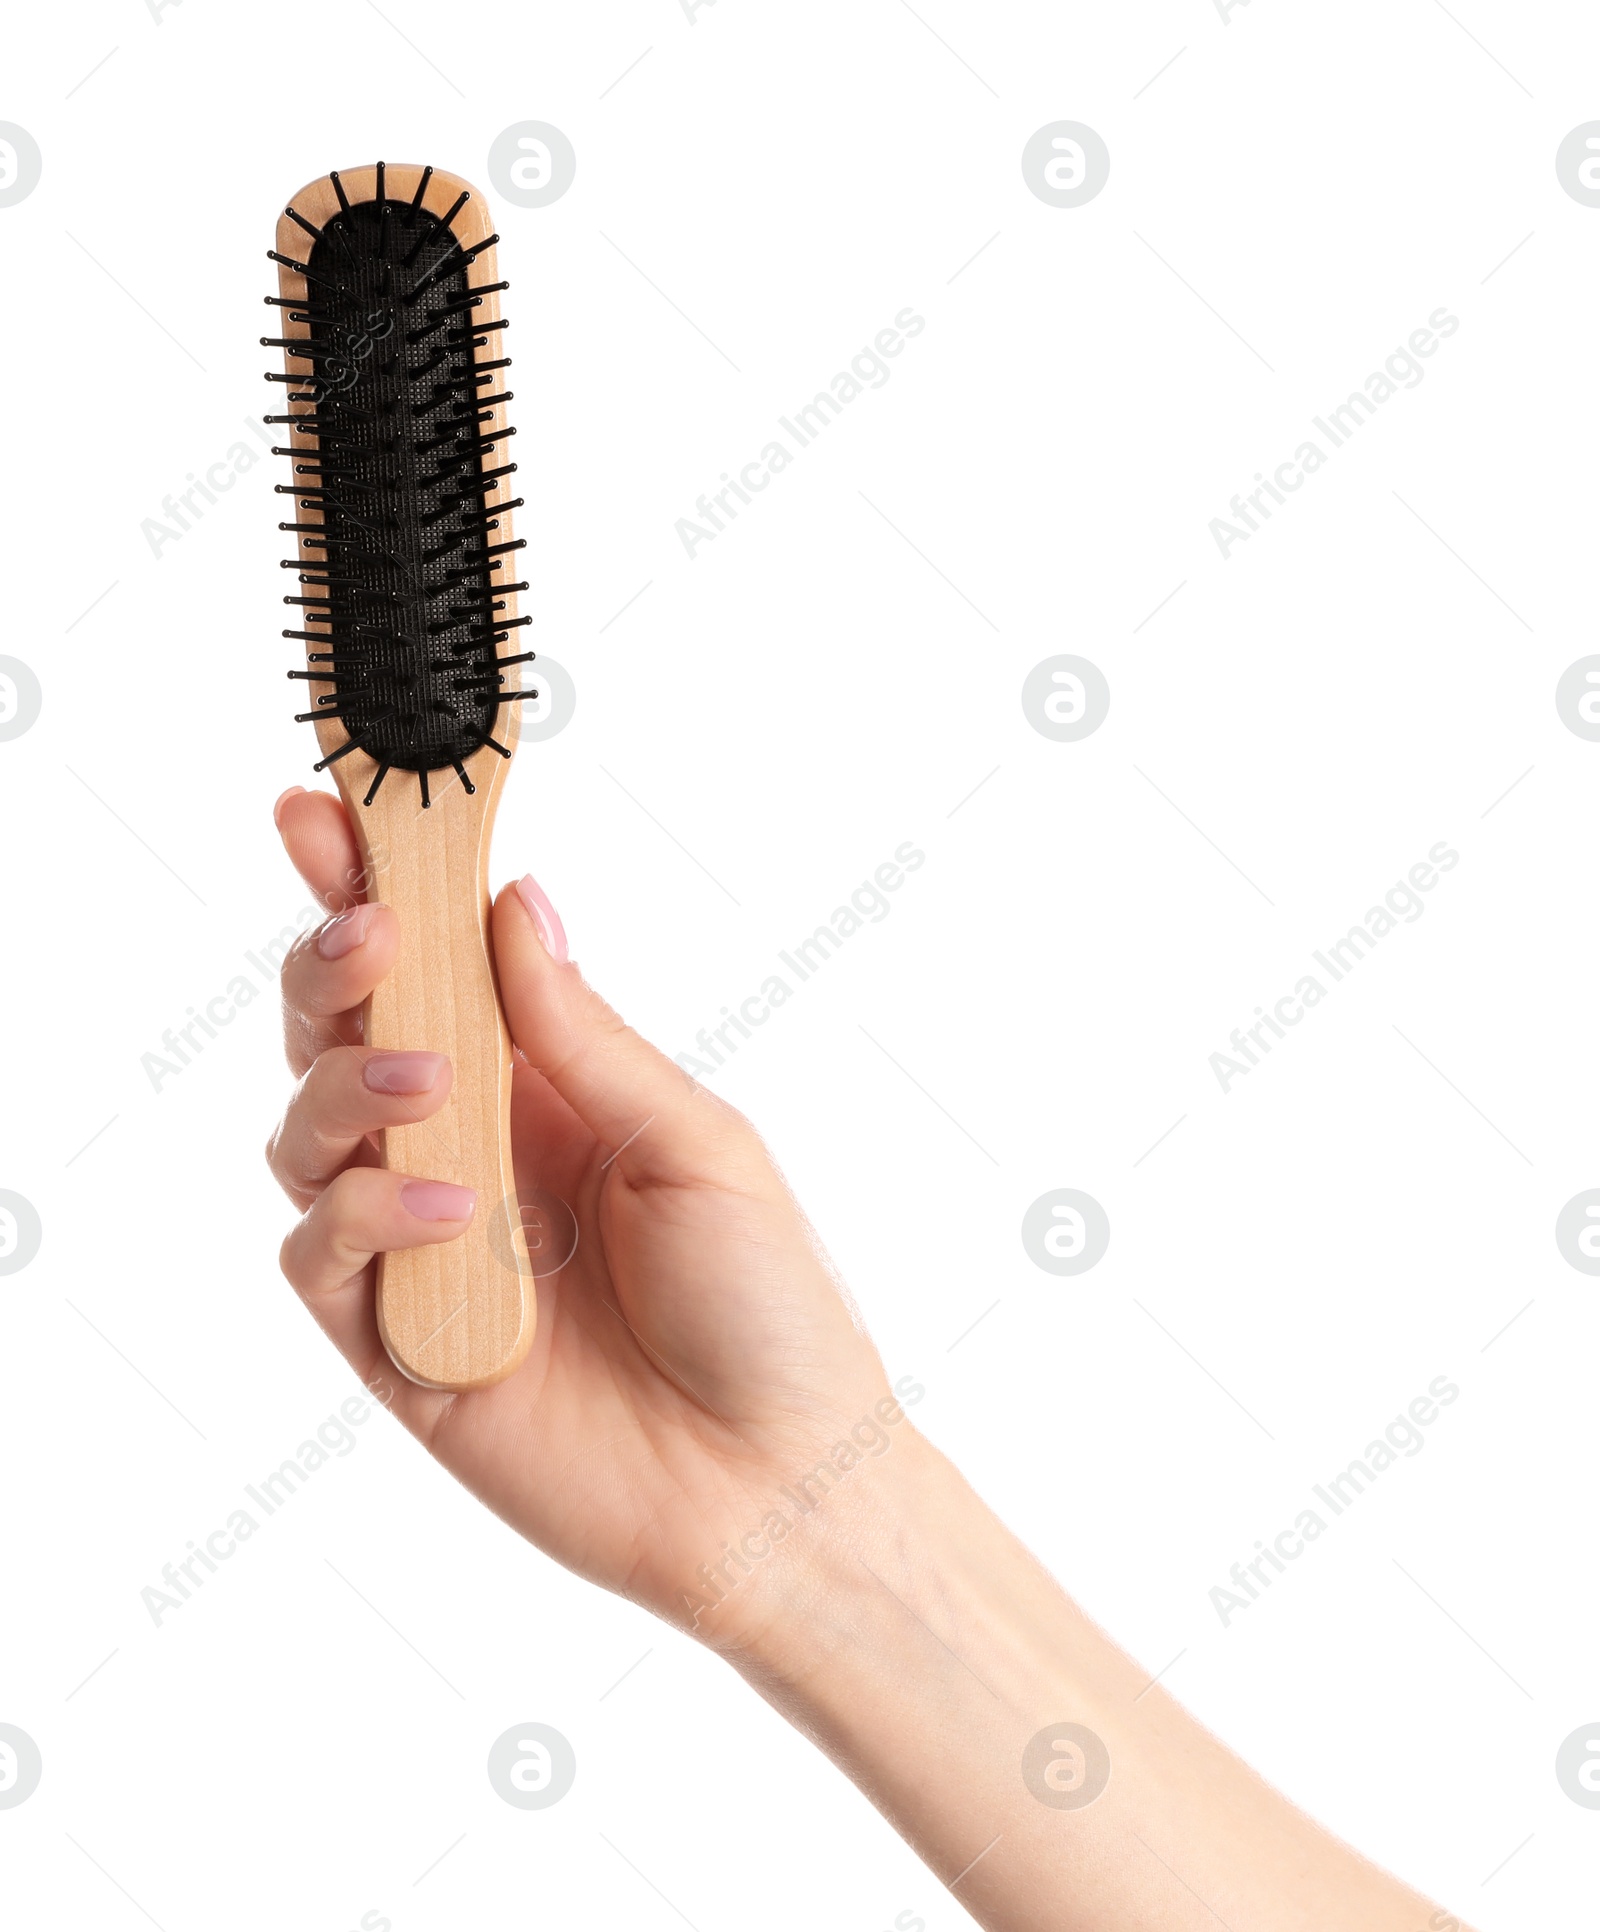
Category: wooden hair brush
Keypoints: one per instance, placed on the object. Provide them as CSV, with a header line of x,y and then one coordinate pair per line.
x,y
402,500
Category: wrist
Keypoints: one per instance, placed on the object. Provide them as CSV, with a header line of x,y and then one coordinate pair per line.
x,y
768,1599
907,1576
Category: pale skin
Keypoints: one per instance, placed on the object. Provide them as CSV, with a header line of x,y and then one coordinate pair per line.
x,y
694,1360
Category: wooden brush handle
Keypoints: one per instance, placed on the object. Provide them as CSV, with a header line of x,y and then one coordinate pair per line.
x,y
459,1315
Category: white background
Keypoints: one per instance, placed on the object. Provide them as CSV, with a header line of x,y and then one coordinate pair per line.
x,y
1294,195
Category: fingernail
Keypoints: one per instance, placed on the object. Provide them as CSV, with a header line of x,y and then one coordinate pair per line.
x,y
545,917
343,934
438,1200
402,1072
294,791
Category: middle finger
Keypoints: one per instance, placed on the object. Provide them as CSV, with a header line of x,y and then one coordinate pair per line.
x,y
348,1093
327,973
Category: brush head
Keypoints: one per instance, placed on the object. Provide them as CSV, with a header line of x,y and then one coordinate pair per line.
x,y
395,372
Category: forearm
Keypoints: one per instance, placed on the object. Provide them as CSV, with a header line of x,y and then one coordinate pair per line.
x,y
919,1643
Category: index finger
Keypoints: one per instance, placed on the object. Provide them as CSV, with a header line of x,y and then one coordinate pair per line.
x,y
321,844
322,1001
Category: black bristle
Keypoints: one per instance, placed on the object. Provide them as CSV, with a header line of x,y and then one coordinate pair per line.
x,y
400,478
349,745
465,258
322,280
441,230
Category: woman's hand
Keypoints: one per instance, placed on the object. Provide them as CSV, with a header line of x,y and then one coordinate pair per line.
x,y
695,1361
695,1354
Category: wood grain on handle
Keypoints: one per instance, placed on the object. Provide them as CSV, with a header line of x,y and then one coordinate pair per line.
x,y
459,1315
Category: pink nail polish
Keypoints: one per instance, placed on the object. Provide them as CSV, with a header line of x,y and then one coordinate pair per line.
x,y
402,1072
343,934
545,917
438,1200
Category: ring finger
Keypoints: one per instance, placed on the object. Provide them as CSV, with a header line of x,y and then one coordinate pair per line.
x,y
368,1211
348,1093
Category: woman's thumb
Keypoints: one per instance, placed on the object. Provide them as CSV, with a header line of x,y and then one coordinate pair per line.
x,y
657,1122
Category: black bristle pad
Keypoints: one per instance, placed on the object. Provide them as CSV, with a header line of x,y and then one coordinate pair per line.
x,y
400,478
